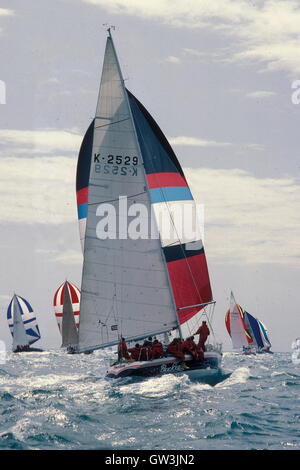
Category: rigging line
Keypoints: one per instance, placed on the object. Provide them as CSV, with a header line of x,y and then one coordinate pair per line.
x,y
99,323
114,200
110,123
111,309
116,317
209,320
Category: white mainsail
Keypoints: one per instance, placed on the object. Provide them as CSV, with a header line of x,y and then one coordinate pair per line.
x,y
125,286
69,330
19,332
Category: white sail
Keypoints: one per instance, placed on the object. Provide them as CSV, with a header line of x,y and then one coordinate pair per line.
x,y
125,287
296,344
19,332
237,329
296,351
69,330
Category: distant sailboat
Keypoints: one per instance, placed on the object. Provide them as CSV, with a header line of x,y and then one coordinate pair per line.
x,y
237,329
66,305
135,287
296,351
248,334
258,333
22,324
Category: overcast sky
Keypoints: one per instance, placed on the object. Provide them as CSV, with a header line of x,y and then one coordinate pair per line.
x,y
218,78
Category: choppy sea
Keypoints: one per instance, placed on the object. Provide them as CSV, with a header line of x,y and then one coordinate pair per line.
x,y
53,400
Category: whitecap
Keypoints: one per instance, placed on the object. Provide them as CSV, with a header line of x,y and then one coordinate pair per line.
x,y
240,375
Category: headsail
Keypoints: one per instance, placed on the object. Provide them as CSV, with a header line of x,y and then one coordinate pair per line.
x,y
253,326
125,285
170,196
264,336
82,180
22,322
69,330
258,331
18,330
236,326
59,302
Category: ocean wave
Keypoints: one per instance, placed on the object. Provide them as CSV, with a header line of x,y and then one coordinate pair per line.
x,y
64,402
238,376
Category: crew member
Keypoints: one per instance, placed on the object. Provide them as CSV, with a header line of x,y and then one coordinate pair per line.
x,y
148,341
175,348
122,350
203,332
146,352
190,347
156,350
135,352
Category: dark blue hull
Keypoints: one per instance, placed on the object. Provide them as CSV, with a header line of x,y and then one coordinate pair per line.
x,y
29,350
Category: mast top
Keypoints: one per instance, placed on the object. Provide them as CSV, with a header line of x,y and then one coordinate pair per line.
x,y
109,29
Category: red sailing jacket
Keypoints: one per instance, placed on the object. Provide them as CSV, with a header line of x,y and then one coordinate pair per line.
x,y
190,347
135,353
176,350
204,332
157,350
122,350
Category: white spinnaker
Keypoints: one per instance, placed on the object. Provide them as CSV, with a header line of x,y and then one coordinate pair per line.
x,y
19,333
237,329
125,288
296,344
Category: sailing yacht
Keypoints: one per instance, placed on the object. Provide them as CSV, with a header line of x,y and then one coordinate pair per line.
x,y
237,329
66,306
248,334
141,275
296,351
22,324
259,334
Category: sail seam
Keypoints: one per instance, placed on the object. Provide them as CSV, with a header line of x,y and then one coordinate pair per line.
x,y
110,123
114,200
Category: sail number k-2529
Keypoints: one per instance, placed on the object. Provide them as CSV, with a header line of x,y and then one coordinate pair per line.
x,y
123,165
